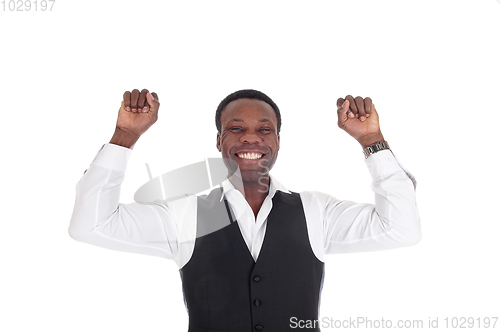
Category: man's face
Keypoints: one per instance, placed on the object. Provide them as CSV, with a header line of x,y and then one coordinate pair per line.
x,y
249,137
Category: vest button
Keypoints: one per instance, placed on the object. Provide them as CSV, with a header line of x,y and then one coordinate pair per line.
x,y
257,302
259,327
256,279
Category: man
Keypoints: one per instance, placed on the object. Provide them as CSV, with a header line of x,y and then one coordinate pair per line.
x,y
263,268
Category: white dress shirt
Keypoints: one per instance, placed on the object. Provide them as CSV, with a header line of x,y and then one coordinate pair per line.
x,y
168,228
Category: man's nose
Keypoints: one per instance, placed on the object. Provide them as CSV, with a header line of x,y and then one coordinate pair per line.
x,y
250,138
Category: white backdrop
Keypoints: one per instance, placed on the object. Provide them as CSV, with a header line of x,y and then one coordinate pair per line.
x,y
430,66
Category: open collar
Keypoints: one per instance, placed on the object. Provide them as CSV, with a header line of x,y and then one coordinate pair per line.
x,y
227,186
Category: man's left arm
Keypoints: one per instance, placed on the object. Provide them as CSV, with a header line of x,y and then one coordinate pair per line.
x,y
393,221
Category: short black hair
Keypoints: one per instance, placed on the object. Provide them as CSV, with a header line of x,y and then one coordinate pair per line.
x,y
250,94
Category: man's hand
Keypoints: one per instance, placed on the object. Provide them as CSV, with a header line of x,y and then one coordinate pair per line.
x,y
138,112
358,117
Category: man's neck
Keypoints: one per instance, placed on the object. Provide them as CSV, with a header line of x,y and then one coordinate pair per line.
x,y
255,192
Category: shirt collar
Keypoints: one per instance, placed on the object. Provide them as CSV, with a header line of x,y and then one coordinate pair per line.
x,y
274,185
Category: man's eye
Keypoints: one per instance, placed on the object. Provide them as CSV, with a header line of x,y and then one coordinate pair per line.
x,y
265,129
235,129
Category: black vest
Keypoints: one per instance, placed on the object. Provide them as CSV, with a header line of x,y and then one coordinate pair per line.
x,y
225,290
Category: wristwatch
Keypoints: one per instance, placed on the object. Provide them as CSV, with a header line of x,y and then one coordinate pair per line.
x,y
374,148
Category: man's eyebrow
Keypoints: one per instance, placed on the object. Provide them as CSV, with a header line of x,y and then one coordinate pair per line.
x,y
240,120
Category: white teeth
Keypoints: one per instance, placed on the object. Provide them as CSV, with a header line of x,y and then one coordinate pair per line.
x,y
251,155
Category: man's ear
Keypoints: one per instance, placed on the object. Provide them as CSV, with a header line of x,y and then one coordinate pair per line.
x,y
218,142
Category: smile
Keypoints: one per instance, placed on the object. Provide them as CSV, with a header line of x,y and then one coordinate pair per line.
x,y
250,155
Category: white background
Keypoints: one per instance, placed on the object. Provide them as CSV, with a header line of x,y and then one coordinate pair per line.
x,y
430,66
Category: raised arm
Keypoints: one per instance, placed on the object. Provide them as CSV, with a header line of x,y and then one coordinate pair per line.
x,y
393,221
98,217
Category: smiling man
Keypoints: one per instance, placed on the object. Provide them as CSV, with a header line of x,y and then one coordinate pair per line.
x,y
263,269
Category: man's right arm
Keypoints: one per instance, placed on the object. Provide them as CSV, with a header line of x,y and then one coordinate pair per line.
x,y
98,217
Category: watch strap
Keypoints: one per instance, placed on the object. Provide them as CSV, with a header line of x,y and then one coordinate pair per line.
x,y
374,148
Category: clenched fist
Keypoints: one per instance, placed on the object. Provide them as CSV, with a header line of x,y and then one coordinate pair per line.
x,y
358,117
138,112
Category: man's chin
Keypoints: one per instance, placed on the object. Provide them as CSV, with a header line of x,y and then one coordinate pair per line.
x,y
247,172
249,176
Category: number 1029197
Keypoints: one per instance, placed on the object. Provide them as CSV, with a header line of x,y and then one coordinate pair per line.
x,y
27,5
